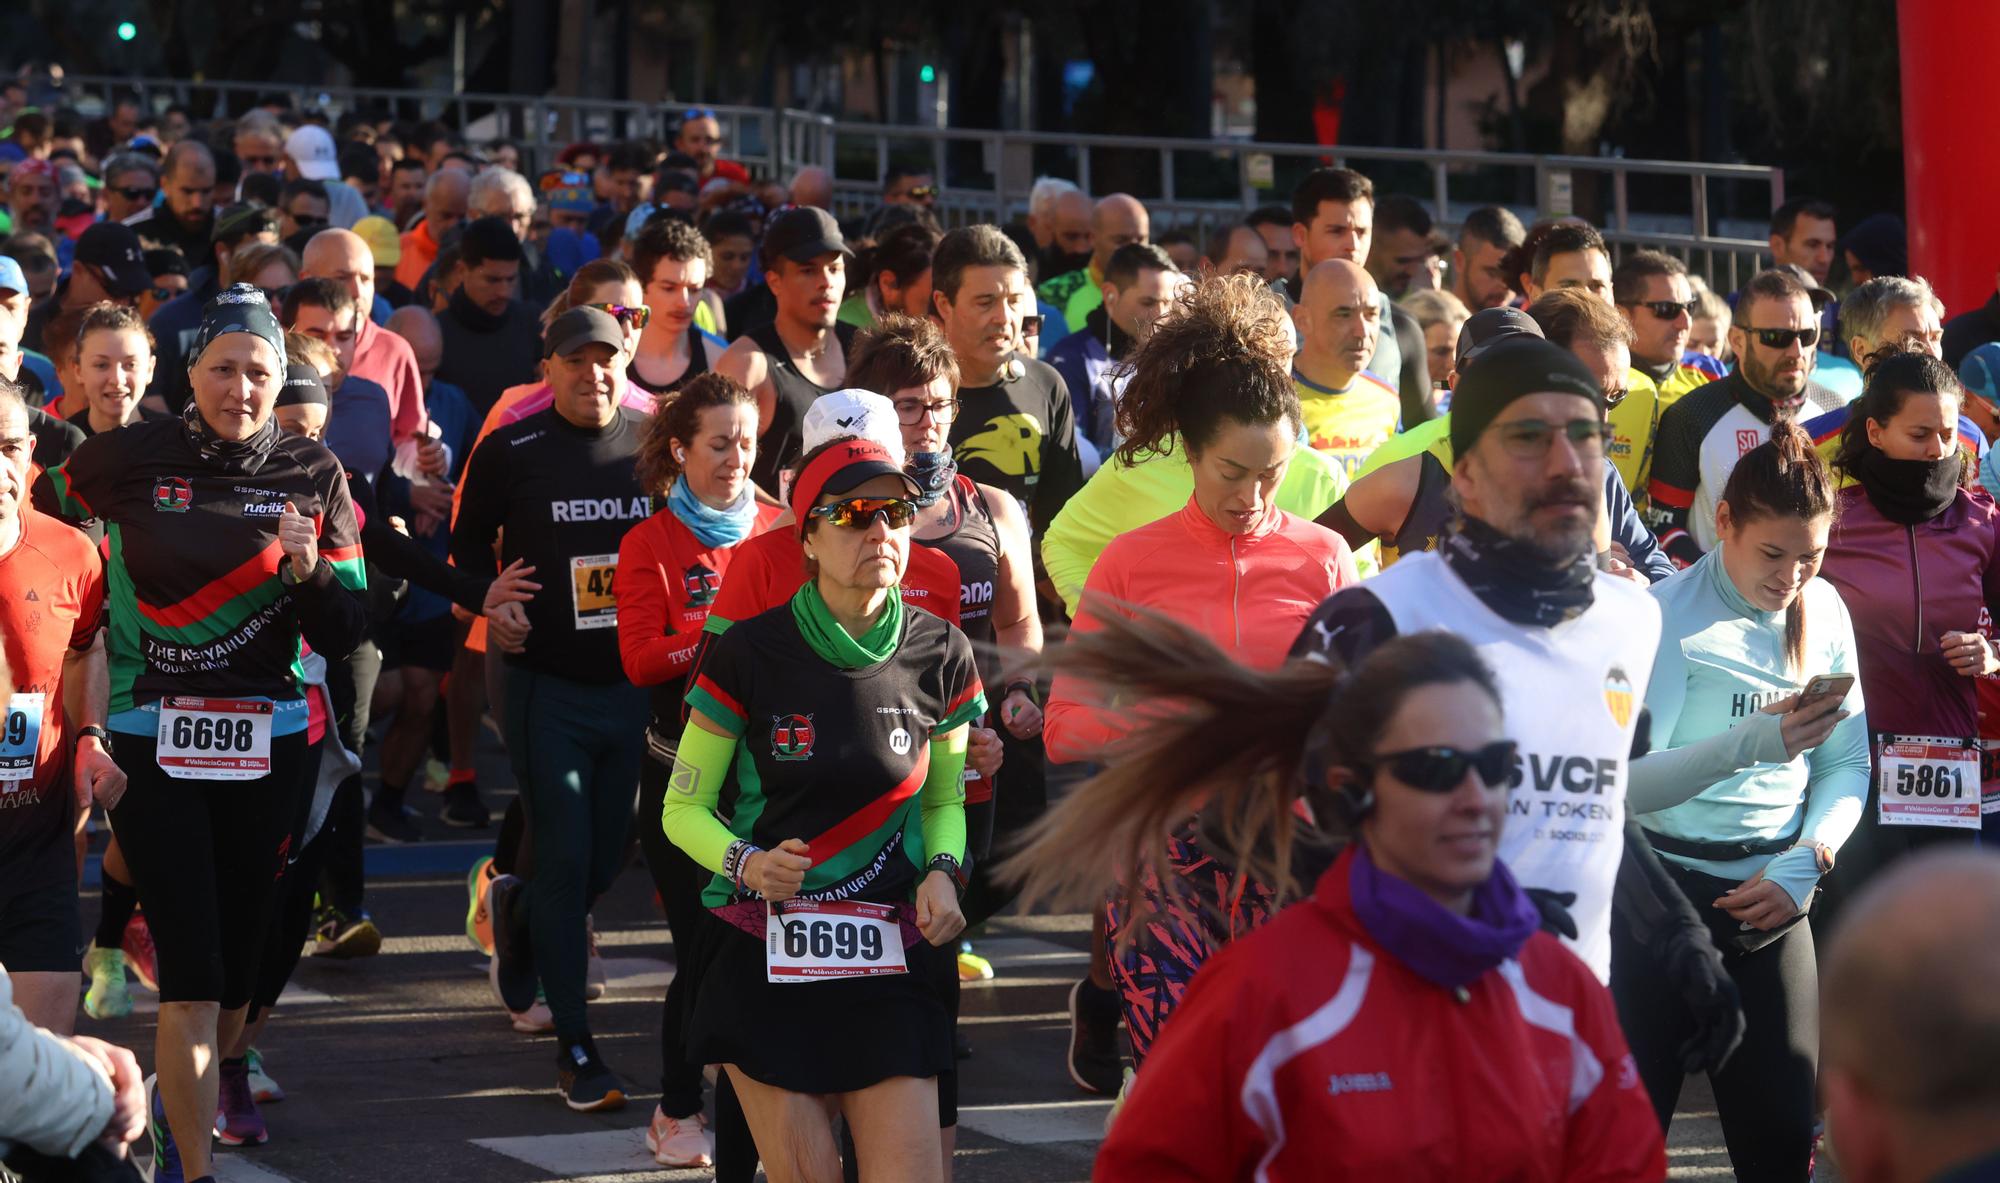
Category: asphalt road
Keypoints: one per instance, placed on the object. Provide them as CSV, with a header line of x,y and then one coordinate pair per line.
x,y
402,1066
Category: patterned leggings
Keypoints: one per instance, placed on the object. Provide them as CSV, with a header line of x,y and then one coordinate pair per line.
x,y
1215,906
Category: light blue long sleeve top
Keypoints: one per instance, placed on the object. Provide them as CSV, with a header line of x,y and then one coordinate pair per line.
x,y
1721,658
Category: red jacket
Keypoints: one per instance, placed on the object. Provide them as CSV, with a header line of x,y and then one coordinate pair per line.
x,y
1304,1052
1249,593
665,583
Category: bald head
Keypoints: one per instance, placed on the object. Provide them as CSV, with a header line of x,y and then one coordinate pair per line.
x,y
1910,1018
1069,223
417,326
1338,321
1116,221
446,196
812,186
342,256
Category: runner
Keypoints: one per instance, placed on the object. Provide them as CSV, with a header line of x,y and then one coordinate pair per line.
x,y
849,807
1702,435
1572,647
803,353
115,361
230,543
1016,428
985,534
1349,412
51,607
694,457
557,489
1757,778
1237,569
1406,1021
672,261
1916,556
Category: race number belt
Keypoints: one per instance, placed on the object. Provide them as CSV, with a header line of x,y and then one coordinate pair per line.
x,y
816,941
215,738
1927,780
20,740
590,591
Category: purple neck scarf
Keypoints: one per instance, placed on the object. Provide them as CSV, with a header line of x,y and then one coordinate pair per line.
x,y
1440,945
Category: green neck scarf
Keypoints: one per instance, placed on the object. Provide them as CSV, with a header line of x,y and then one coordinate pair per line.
x,y
826,638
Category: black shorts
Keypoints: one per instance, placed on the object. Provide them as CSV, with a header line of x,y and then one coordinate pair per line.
x,y
425,644
41,930
818,1037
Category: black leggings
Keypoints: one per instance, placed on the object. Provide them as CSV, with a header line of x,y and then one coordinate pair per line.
x,y
1765,1093
291,921
679,880
208,857
352,685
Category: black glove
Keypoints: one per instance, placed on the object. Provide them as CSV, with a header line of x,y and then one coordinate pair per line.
x,y
1554,907
1695,966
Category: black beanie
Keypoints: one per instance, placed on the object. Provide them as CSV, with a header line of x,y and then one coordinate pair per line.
x,y
303,387
1508,370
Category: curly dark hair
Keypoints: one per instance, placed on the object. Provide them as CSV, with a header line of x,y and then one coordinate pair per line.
x,y
675,418
1225,353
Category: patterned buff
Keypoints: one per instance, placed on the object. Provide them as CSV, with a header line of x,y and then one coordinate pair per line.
x,y
239,308
933,472
1514,579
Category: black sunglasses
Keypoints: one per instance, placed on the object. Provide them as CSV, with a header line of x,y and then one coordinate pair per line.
x,y
138,193
1440,770
165,294
1783,338
1667,309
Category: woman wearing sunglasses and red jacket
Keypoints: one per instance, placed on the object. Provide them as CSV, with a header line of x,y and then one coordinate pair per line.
x,y
1407,1019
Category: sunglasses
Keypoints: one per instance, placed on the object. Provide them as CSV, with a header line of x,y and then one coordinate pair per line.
x,y
859,513
165,294
1530,438
1667,309
1783,338
138,193
1440,770
307,221
636,315
910,412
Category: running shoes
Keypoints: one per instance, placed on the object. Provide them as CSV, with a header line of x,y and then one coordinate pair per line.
x,y
971,966
513,953
463,808
140,956
344,938
262,1087
238,1123
107,997
586,1084
166,1165
389,822
1094,1062
478,916
680,1142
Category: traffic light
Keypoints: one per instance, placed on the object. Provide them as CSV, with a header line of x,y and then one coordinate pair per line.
x,y
127,30
927,73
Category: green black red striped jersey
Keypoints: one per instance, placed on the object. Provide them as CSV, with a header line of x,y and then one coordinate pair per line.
x,y
197,605
835,756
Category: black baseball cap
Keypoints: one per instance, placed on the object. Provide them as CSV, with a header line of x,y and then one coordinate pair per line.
x,y
802,234
241,221
1489,326
113,248
579,327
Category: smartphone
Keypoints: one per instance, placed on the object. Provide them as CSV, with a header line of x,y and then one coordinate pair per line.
x,y
1825,685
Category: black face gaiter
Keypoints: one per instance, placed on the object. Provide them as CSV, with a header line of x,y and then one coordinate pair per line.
x,y
1909,491
1514,578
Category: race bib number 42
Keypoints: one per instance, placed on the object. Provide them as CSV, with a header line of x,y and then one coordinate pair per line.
x,y
590,591
214,738
816,941
1927,781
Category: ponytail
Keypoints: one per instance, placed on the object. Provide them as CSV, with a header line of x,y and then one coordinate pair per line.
x,y
1228,741
1783,477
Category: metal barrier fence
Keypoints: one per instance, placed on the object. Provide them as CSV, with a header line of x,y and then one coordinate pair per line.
x,y
1198,185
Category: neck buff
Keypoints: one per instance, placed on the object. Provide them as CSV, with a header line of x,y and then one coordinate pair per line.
x,y
714,527
1514,579
231,457
1908,491
1439,945
825,637
933,472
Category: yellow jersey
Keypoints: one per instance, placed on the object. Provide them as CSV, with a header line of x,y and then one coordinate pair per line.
x,y
1350,423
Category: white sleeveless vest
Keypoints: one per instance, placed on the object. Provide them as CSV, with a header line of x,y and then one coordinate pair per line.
x,y
1570,696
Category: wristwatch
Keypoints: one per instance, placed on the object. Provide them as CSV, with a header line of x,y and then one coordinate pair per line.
x,y
950,866
1822,856
103,736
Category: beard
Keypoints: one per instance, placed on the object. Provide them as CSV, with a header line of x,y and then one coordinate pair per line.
x,y
1565,541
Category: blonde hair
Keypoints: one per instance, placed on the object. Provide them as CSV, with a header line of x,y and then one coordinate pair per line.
x,y
312,351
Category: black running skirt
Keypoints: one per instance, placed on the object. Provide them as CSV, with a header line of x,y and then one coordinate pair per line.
x,y
818,1037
